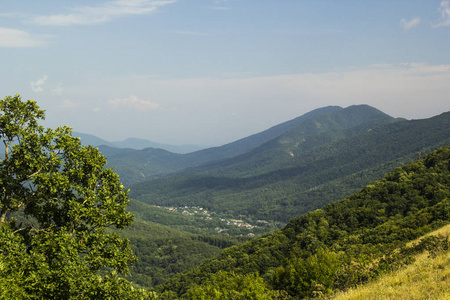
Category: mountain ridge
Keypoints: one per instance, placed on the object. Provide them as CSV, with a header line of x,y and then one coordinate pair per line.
x,y
142,170
135,144
321,175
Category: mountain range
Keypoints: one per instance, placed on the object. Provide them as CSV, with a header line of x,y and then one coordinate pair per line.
x,y
317,161
286,170
272,177
135,143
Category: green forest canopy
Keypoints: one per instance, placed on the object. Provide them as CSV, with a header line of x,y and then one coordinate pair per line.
x,y
345,243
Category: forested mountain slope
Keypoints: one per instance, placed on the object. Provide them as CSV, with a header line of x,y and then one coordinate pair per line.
x,y
309,179
341,245
140,165
285,150
251,142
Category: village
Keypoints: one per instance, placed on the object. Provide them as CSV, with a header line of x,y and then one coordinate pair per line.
x,y
201,212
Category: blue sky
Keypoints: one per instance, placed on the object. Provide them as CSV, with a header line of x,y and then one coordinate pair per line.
x,y
213,71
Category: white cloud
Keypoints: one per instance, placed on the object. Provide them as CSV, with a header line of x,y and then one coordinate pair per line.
x,y
407,25
194,110
57,90
36,86
14,38
68,104
102,13
133,102
445,14
411,90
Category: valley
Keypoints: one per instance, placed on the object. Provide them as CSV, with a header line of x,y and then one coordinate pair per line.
x,y
264,181
313,206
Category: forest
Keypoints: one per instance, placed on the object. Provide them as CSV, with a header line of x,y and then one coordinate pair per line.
x,y
344,244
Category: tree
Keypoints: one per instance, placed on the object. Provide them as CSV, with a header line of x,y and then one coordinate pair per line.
x,y
228,285
56,201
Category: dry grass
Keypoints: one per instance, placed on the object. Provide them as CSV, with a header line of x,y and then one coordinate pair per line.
x,y
427,278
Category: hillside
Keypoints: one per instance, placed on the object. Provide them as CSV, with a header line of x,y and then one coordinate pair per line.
x,y
139,165
282,152
426,278
343,244
285,185
251,142
136,166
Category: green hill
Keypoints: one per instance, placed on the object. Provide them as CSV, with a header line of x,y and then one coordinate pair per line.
x,y
136,166
291,178
283,151
139,165
344,244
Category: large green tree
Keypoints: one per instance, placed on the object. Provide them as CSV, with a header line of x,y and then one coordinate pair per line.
x,y
56,200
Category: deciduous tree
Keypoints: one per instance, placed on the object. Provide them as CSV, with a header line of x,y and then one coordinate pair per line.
x,y
56,200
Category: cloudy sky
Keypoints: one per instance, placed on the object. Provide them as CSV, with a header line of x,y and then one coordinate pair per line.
x,y
212,71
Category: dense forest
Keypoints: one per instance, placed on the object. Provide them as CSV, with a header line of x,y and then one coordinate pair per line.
x,y
341,245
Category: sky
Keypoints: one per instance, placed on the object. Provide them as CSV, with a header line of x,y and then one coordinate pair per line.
x,y
210,72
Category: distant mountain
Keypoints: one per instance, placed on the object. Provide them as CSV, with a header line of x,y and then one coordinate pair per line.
x,y
287,148
251,142
134,166
89,139
140,144
140,165
303,169
134,143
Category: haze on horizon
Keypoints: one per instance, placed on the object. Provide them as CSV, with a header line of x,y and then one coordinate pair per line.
x,y
210,72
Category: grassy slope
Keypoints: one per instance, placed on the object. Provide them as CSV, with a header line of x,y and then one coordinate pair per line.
x,y
427,278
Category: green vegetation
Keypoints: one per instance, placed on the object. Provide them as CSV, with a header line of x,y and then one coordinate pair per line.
x,y
287,177
346,243
141,165
426,278
163,252
56,201
197,220
65,219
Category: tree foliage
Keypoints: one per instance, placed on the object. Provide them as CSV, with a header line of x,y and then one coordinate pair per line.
x,y
345,243
56,199
228,285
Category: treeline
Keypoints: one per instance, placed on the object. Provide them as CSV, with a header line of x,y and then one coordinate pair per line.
x,y
344,244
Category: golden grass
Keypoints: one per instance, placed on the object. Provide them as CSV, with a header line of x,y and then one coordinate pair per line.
x,y
427,278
